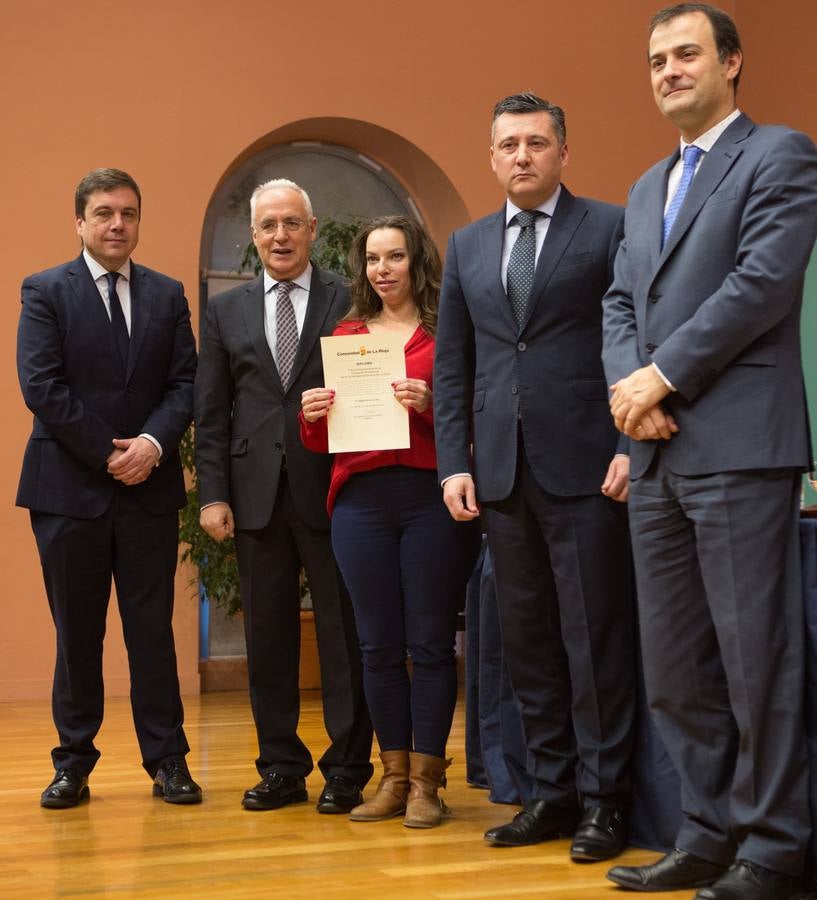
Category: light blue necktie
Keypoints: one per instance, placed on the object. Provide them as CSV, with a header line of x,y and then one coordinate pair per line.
x,y
691,156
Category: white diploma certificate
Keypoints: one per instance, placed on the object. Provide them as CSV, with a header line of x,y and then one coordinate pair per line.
x,y
366,415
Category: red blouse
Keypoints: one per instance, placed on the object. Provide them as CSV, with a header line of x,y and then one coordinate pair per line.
x,y
419,455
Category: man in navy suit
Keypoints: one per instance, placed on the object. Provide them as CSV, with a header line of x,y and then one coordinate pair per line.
x,y
518,372
702,351
106,361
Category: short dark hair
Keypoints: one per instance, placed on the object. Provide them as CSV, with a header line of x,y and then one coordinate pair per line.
x,y
425,269
102,180
727,39
527,102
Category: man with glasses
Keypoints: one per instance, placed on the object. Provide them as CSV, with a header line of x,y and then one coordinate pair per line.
x,y
260,349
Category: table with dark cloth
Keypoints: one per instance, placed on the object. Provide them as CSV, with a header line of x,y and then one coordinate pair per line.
x,y
656,810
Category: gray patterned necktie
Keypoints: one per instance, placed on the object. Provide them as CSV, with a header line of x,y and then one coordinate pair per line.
x,y
286,331
522,263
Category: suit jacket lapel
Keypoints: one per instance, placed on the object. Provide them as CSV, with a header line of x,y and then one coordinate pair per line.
x,y
252,308
712,171
141,308
87,293
566,218
491,239
320,302
658,201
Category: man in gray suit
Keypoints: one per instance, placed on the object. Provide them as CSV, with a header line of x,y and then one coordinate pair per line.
x,y
702,352
260,349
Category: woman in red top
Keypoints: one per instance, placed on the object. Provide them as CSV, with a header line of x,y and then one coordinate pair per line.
x,y
404,559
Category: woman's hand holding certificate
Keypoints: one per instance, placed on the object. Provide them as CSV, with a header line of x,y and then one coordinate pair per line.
x,y
363,373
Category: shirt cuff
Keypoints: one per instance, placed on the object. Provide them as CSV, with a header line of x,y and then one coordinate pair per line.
x,y
457,475
156,444
213,503
663,377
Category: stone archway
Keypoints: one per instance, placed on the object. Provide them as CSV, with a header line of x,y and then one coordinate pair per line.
x,y
351,169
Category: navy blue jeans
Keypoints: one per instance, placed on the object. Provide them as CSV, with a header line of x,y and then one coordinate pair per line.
x,y
406,563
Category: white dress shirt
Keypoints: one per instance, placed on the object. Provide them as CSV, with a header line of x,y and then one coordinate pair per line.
x,y
98,273
705,142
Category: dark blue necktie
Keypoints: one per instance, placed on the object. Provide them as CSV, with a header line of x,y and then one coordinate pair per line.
x,y
118,324
691,156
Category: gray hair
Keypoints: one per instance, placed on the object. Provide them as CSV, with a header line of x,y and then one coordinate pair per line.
x,y
277,184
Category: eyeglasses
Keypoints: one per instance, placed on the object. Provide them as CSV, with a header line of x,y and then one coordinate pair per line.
x,y
271,226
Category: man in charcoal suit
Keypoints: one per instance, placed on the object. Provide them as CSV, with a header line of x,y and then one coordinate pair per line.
x,y
106,360
702,351
518,372
259,351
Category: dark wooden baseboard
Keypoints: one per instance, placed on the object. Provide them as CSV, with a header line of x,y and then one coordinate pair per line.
x,y
229,673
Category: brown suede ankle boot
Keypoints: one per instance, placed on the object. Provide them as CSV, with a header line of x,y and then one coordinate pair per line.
x,y
390,798
427,775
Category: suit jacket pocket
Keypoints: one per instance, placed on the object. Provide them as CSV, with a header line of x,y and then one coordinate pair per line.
x,y
762,355
162,321
575,259
571,267
590,388
238,446
479,401
722,196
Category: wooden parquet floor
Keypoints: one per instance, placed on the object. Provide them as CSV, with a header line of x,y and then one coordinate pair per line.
x,y
126,844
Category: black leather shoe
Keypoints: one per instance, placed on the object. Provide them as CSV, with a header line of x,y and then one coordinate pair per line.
x,y
749,881
66,790
538,821
677,871
174,784
602,834
275,791
339,795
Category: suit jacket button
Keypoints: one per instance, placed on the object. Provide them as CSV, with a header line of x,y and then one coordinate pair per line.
x,y
649,347
522,346
278,445
653,298
514,390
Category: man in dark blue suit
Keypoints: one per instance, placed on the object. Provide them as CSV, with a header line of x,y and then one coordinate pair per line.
x,y
702,351
518,373
106,360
